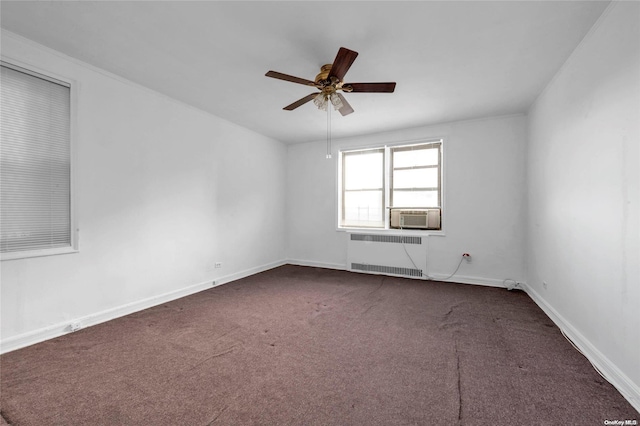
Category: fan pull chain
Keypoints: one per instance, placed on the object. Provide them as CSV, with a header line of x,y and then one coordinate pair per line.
x,y
328,156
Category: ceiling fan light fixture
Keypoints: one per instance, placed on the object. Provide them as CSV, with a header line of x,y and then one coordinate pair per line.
x,y
336,101
321,101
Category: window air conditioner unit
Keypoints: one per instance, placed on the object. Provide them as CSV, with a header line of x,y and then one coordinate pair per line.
x,y
415,219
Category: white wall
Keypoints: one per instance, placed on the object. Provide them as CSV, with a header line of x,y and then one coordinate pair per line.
x,y
163,192
484,199
583,163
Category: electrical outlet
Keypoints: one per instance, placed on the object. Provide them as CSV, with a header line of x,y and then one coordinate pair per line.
x,y
75,326
544,284
467,257
218,265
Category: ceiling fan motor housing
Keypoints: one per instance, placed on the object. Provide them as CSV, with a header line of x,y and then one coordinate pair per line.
x,y
329,85
324,74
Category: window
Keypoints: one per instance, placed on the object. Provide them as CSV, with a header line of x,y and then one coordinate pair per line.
x,y
408,176
363,188
415,176
35,174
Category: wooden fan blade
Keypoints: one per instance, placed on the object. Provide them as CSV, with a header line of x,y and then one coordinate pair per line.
x,y
300,102
342,63
370,87
285,77
346,108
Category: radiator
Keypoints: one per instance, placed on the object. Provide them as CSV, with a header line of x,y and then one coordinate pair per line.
x,y
385,254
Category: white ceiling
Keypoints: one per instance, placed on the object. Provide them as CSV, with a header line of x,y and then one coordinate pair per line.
x,y
451,60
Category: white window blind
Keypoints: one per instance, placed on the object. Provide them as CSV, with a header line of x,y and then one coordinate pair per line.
x,y
35,174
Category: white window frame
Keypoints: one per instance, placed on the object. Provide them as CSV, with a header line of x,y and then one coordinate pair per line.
x,y
73,93
387,187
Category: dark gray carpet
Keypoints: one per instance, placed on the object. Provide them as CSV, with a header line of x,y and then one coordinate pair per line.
x,y
309,346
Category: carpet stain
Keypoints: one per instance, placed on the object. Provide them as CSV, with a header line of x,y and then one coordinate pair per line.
x,y
450,319
377,288
367,310
4,420
227,332
218,415
229,350
459,387
320,308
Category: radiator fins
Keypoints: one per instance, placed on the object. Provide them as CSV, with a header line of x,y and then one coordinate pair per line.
x,y
409,272
374,238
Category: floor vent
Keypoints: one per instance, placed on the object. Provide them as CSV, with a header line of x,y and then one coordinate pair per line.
x,y
386,238
387,269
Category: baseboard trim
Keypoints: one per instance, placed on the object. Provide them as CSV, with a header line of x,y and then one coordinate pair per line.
x,y
629,390
312,263
59,329
248,272
460,279
489,282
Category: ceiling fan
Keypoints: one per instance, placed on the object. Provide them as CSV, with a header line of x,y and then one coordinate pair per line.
x,y
330,82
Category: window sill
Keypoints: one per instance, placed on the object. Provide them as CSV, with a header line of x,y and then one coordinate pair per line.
x,y
393,231
16,255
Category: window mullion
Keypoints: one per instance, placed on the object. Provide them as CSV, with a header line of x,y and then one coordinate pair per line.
x,y
388,172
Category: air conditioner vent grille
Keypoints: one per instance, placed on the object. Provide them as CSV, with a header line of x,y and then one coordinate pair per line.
x,y
386,238
415,220
387,269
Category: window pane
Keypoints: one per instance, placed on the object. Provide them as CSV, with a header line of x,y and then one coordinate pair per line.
x,y
363,206
415,198
416,178
364,170
415,157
